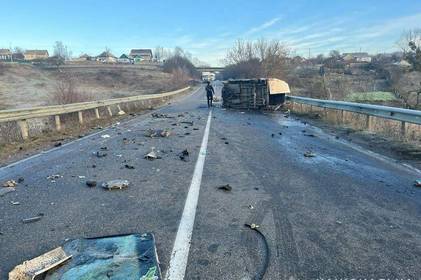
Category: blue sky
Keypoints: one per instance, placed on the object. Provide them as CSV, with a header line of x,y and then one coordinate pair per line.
x,y
207,28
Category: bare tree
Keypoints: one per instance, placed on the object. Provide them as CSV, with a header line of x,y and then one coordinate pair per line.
x,y
270,58
62,51
410,39
159,53
66,91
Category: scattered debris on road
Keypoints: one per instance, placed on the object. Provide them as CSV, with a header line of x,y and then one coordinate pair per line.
x,y
115,184
226,188
157,133
128,166
184,155
187,122
21,180
33,219
31,269
91,183
53,177
10,184
14,202
105,136
152,155
309,154
100,154
251,207
417,183
161,116
58,144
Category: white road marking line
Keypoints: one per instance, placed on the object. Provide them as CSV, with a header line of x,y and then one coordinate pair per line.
x,y
180,252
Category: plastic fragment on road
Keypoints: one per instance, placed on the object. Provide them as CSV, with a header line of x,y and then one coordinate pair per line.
x,y
105,136
115,184
161,116
184,155
15,202
152,155
100,154
53,177
226,188
31,269
91,183
190,123
33,219
4,191
128,166
417,183
157,133
10,184
121,257
309,154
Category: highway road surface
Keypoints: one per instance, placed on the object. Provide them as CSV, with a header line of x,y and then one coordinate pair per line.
x,y
345,213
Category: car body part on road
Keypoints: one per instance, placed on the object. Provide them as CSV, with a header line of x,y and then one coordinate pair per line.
x,y
116,184
36,267
254,93
120,257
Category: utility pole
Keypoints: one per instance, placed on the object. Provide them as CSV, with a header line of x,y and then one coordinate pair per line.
x,y
11,52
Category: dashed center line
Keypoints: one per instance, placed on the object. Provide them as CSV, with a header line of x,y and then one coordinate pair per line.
x,y
180,252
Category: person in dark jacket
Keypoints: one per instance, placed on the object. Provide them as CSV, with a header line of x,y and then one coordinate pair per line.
x,y
209,93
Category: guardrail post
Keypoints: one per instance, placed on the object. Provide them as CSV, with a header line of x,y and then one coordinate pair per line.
x,y
80,116
23,125
97,113
109,111
58,122
369,122
342,116
403,129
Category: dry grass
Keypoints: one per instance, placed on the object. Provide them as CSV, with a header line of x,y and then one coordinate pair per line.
x,y
23,86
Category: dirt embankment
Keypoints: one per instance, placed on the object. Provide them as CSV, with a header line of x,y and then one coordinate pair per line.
x,y
24,86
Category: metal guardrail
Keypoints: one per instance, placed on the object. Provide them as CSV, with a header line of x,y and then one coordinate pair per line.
x,y
45,111
393,113
21,115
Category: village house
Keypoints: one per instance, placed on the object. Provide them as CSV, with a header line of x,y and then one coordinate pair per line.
x,y
36,54
357,57
106,57
82,58
141,55
5,55
125,59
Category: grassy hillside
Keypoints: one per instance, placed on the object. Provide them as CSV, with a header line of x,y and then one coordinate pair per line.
x,y
27,86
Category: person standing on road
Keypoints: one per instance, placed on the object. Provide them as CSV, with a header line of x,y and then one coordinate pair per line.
x,y
209,94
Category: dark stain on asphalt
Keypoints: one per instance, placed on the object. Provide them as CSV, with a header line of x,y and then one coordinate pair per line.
x,y
203,262
213,248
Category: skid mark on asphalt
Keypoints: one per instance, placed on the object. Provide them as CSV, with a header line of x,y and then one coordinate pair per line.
x,y
180,252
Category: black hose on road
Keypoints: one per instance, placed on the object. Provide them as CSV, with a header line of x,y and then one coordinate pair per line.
x,y
261,272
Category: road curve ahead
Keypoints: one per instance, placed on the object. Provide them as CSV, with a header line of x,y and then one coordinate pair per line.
x,y
344,213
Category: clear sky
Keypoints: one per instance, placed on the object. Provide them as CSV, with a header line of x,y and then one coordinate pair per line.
x,y
207,28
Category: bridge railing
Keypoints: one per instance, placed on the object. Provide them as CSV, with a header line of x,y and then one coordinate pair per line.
x,y
21,115
369,110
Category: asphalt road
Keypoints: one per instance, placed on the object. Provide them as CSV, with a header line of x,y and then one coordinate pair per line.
x,y
345,213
